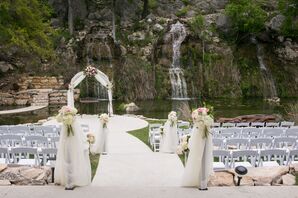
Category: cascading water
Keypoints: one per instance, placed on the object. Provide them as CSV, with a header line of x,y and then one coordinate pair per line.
x,y
269,84
178,83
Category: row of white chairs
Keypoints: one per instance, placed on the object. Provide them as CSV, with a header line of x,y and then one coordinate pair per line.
x,y
254,158
250,132
254,124
28,156
29,141
255,143
24,130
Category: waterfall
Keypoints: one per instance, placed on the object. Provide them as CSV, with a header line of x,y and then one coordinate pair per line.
x,y
269,84
178,83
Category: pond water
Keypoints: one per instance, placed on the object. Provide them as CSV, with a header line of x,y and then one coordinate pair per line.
x,y
159,109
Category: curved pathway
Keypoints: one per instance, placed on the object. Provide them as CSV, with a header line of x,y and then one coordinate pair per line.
x,y
131,163
21,110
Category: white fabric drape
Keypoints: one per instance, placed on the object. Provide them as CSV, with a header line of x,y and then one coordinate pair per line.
x,y
101,140
72,166
100,77
169,141
199,165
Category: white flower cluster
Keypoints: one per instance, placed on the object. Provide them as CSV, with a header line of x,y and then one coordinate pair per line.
x,y
90,71
104,119
66,116
183,146
200,116
172,117
91,138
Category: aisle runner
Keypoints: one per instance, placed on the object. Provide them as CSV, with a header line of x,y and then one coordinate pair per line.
x,y
131,163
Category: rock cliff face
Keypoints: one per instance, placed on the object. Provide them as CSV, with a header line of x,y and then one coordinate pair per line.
x,y
137,52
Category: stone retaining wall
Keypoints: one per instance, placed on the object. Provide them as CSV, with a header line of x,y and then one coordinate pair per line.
x,y
36,97
40,82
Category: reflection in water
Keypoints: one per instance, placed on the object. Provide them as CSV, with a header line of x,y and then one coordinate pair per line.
x,y
160,109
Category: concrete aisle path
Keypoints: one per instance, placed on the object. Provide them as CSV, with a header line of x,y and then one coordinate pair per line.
x,y
131,163
21,110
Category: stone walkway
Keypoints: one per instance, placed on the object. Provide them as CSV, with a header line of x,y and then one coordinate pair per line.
x,y
131,163
21,110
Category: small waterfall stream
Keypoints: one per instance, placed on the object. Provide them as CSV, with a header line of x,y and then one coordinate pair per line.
x,y
269,84
178,83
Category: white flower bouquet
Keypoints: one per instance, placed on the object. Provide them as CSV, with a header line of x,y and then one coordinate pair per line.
x,y
183,146
90,138
172,117
66,116
200,116
90,71
104,119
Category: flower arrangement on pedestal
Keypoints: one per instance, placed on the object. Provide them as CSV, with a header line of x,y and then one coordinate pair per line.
x,y
172,117
90,71
104,119
66,116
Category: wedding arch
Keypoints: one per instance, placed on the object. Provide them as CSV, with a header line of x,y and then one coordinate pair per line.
x,y
99,76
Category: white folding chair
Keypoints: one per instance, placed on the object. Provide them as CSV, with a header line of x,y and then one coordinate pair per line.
x,y
38,130
292,157
37,141
228,124
242,124
271,157
49,156
223,159
287,124
237,143
4,130
246,158
11,140
4,155
260,143
25,156
218,143
257,124
49,131
272,124
231,132
284,142
156,139
272,132
215,125
251,132
20,130
53,141
292,132
152,129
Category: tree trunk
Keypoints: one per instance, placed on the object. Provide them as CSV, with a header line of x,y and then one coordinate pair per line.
x,y
145,9
70,17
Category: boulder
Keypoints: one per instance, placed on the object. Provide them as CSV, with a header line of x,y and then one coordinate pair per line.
x,y
223,23
5,183
3,167
276,22
221,179
131,107
158,28
288,180
4,66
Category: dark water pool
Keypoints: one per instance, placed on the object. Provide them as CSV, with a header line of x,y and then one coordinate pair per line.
x,y
160,109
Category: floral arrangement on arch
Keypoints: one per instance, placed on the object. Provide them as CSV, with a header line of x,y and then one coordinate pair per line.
x,y
104,119
172,117
200,116
183,147
66,116
90,71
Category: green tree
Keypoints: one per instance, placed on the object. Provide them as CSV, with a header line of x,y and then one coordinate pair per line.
x,y
289,8
24,26
247,16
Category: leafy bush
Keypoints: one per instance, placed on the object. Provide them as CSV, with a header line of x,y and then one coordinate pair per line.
x,y
289,8
152,4
24,24
247,16
183,11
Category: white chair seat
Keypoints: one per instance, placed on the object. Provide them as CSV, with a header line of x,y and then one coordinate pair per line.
x,y
245,164
51,163
270,163
219,166
3,161
27,162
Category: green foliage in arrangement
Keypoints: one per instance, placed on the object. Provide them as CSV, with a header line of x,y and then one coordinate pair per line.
x,y
247,16
289,8
24,24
